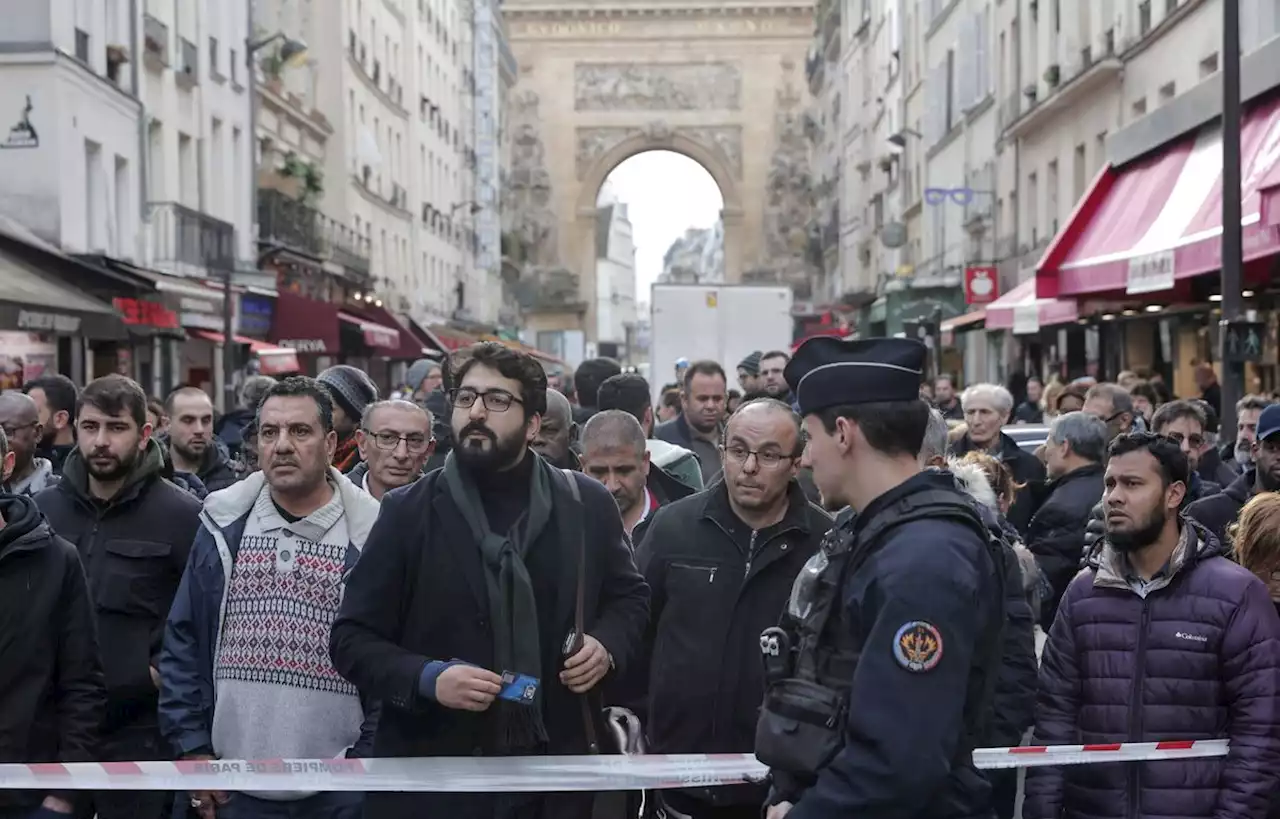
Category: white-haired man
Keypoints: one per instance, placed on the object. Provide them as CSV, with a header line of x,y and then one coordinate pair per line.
x,y
986,411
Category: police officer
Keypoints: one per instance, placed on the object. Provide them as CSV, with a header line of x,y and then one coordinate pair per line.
x,y
890,643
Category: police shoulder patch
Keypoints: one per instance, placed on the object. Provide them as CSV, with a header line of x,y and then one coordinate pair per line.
x,y
918,646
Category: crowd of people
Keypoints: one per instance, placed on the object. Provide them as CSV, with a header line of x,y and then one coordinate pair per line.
x,y
858,585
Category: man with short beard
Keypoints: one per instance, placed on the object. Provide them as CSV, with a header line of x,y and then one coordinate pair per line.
x,y
1218,512
704,391
614,453
55,396
192,446
1163,633
1238,454
476,573
772,382
133,530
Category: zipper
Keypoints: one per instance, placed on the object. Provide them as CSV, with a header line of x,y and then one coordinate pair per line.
x,y
710,570
1135,705
751,555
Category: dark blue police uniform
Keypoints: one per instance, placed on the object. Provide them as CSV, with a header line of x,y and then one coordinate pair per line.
x,y
902,619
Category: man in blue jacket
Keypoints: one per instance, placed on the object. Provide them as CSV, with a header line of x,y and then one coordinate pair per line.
x,y
245,671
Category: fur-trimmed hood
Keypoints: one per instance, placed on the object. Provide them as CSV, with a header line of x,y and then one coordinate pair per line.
x,y
973,481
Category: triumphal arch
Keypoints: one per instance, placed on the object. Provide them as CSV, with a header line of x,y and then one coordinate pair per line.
x,y
721,81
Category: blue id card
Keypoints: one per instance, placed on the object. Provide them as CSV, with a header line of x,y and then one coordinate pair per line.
x,y
519,688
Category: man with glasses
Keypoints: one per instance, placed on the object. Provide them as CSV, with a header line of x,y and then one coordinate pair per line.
x,y
20,419
720,565
493,599
1217,512
395,442
1184,423
1112,405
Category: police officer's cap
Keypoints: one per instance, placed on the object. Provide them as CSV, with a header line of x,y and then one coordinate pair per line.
x,y
829,372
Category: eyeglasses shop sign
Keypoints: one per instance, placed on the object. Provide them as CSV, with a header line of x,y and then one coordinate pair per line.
x,y
40,322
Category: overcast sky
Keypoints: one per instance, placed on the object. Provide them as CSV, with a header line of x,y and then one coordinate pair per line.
x,y
666,194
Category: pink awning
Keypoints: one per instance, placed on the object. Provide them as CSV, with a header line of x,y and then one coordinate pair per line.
x,y
1141,228
375,335
1020,311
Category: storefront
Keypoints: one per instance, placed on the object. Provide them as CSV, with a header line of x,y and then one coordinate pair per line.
x,y
153,354
1146,239
47,324
308,327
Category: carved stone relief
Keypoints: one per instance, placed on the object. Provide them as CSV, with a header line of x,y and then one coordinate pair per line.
x,y
657,86
788,190
593,143
526,208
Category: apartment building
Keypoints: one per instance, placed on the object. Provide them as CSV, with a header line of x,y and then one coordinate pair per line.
x,y
70,155
615,276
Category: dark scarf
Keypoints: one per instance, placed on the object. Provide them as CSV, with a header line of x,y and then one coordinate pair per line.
x,y
346,455
513,609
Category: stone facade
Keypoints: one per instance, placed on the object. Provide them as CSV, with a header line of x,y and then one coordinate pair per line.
x,y
720,85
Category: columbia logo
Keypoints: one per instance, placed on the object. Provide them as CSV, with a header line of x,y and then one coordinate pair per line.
x,y
1199,638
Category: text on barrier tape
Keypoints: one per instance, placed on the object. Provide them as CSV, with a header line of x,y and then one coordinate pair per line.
x,y
512,774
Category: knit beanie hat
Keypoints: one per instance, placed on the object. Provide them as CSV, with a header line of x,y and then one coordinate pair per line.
x,y
751,363
351,389
418,372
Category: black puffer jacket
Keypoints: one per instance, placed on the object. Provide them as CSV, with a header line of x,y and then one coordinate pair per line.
x,y
1217,512
1026,469
1056,536
51,690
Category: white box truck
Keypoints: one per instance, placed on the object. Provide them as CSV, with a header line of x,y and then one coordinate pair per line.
x,y
721,322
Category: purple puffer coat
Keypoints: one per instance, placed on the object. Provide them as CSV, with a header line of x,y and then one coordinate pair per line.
x,y
1197,658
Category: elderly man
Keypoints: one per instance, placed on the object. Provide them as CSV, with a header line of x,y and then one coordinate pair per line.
x,y
986,411
558,433
20,419
395,442
721,565
1074,455
1248,410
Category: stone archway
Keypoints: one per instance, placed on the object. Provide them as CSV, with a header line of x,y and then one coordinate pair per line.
x,y
723,86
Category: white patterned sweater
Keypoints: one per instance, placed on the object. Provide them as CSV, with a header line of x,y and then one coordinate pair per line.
x,y
277,693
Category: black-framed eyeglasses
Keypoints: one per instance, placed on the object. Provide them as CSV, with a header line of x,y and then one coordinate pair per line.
x,y
494,400
9,431
1196,441
766,460
415,442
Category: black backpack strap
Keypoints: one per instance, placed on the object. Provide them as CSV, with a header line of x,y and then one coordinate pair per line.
x,y
580,606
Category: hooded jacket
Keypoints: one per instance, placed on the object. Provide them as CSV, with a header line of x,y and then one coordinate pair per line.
x,y
134,548
217,469
51,690
1026,469
676,461
1217,512
194,625
1197,657
1013,700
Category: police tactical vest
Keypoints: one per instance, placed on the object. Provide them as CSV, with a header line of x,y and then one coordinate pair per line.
x,y
809,708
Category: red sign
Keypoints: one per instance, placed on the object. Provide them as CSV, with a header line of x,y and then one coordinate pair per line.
x,y
981,285
140,312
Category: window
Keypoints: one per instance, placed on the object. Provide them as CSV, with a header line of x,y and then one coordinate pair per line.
x,y
1168,91
1209,65
1080,173
1139,107
1051,196
1033,207
121,215
94,201
1144,18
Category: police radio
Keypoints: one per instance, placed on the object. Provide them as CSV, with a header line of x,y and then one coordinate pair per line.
x,y
775,650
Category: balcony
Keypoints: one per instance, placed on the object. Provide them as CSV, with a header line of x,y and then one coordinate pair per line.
x,y
187,242
286,221
1037,106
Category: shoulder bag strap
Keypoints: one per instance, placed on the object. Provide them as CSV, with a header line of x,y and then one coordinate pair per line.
x,y
580,616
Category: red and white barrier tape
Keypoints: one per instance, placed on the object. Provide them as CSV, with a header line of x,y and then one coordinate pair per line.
x,y
512,774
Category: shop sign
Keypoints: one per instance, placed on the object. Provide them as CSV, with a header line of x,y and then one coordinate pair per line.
x,y
1026,318
41,322
200,313
981,285
255,315
304,345
143,313
1151,273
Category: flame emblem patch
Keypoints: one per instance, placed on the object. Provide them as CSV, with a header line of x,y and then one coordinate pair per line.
x,y
917,646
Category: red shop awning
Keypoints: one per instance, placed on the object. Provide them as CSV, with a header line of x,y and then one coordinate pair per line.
x,y
1141,228
305,325
453,339
376,335
377,321
272,360
1021,311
